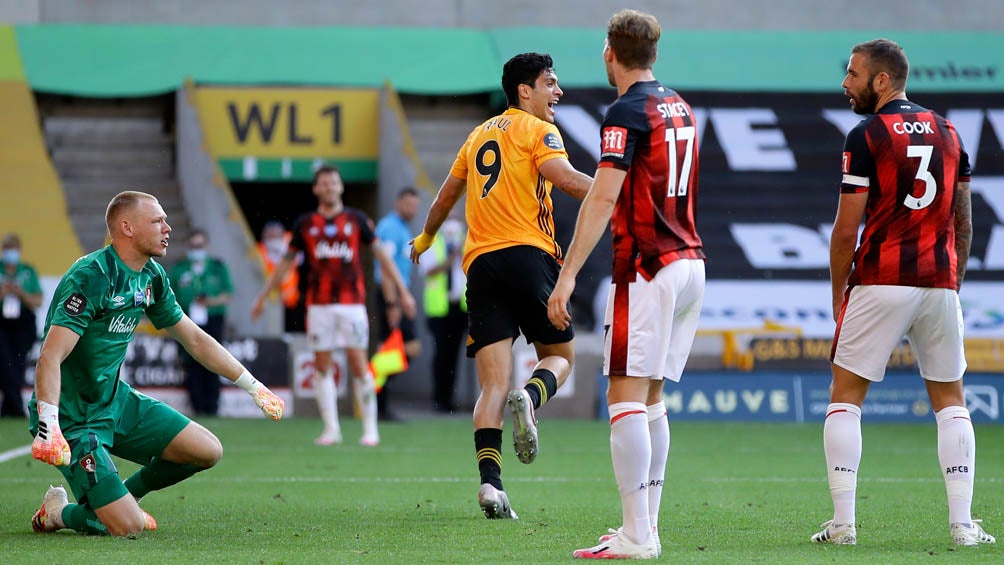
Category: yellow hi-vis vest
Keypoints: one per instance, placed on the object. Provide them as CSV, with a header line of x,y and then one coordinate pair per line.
x,y
437,291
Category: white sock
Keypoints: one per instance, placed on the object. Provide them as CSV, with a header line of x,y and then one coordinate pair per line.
x,y
631,451
365,391
658,431
957,455
842,444
327,401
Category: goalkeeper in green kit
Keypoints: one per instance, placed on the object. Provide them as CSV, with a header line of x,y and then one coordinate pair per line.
x,y
81,413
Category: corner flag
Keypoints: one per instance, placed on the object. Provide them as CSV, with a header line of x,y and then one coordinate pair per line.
x,y
389,359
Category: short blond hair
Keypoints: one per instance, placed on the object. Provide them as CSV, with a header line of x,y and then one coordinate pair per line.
x,y
121,203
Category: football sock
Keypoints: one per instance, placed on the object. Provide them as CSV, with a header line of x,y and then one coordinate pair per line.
x,y
957,455
541,387
842,445
365,392
631,451
158,474
327,402
488,445
658,431
82,519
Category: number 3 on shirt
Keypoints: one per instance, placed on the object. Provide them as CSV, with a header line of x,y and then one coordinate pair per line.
x,y
923,152
678,185
491,170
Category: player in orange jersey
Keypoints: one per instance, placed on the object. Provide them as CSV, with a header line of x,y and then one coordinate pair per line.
x,y
506,168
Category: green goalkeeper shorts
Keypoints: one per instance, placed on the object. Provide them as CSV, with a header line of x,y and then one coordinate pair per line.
x,y
137,429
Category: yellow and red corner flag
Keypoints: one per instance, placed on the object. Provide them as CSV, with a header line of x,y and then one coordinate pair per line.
x,y
389,359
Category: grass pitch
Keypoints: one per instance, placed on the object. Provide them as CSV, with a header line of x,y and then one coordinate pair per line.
x,y
735,493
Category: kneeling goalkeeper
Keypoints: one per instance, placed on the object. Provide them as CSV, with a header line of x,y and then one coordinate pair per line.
x,y
81,413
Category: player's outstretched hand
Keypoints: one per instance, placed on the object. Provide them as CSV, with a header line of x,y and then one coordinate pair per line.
x,y
420,245
50,446
271,405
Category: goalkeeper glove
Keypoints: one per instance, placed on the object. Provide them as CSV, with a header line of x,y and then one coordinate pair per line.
x,y
270,404
422,243
50,446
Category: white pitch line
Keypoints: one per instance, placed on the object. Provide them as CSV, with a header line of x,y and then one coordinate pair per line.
x,y
14,453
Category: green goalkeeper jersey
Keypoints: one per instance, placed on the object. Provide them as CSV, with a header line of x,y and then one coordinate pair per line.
x,y
103,300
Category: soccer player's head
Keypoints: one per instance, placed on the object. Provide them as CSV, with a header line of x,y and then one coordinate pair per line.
x,y
328,186
137,219
876,68
633,38
529,82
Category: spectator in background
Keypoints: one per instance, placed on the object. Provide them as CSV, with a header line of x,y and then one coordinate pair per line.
x,y
446,308
394,234
272,247
22,294
203,288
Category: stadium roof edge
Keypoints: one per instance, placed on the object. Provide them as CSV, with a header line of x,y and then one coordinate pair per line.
x,y
139,60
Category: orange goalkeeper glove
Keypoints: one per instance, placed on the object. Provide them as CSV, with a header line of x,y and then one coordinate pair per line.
x,y
50,446
271,405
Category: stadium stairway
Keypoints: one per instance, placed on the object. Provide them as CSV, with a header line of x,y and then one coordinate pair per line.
x,y
439,129
100,150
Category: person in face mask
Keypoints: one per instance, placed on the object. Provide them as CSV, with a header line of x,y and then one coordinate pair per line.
x,y
203,288
272,247
21,294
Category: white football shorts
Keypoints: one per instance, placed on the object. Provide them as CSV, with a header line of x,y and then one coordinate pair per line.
x,y
337,326
650,325
875,319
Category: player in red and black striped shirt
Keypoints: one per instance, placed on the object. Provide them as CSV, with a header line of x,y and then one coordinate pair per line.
x,y
331,239
906,174
331,246
907,160
646,185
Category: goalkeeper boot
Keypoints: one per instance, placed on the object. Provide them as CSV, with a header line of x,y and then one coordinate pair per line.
x,y
149,522
842,534
971,534
618,546
524,431
49,518
495,503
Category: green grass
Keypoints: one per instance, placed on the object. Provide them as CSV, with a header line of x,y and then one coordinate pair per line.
x,y
736,493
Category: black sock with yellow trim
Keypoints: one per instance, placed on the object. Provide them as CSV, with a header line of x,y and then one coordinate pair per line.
x,y
488,445
541,387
